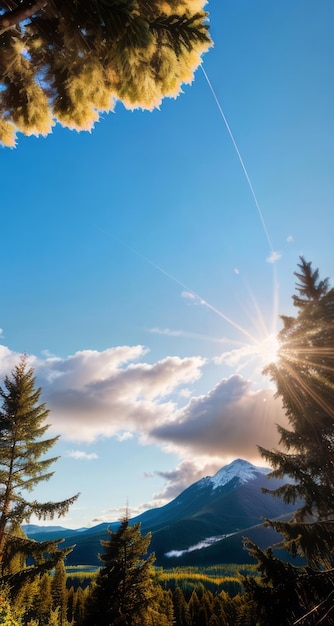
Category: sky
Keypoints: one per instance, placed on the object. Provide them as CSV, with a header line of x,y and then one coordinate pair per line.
x,y
145,264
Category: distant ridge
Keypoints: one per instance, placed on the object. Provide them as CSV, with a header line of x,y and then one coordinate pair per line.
x,y
204,524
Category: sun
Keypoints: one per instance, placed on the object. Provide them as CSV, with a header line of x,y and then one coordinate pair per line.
x,y
268,349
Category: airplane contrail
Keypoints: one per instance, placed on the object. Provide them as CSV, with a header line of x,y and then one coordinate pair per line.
x,y
273,255
199,298
193,293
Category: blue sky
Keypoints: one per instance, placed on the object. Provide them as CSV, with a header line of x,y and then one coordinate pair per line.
x,y
135,261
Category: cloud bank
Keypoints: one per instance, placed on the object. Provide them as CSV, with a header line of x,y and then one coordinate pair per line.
x,y
117,393
229,421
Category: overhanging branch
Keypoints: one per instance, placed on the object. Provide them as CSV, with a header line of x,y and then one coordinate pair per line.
x,y
23,12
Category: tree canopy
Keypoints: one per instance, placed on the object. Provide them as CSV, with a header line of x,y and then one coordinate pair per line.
x,y
67,61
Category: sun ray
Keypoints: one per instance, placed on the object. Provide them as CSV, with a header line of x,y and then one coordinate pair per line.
x,y
308,390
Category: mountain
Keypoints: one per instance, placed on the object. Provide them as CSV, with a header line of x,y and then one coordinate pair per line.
x,y
204,524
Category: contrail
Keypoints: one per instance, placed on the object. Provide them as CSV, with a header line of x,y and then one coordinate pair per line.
x,y
199,298
273,254
191,291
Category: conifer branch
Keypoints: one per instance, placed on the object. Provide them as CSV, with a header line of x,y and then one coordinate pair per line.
x,y
315,610
67,62
20,13
182,30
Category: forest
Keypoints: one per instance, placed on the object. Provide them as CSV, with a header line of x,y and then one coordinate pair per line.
x,y
127,589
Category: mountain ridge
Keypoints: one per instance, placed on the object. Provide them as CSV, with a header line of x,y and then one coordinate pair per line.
x,y
223,505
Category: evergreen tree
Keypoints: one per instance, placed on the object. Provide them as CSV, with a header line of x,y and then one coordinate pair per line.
x,y
81,599
160,610
165,605
218,612
23,466
26,600
43,601
7,616
124,588
67,61
59,591
194,606
70,604
304,377
181,610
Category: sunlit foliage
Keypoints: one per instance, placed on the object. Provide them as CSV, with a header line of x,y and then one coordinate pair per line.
x,y
304,377
67,62
192,578
7,613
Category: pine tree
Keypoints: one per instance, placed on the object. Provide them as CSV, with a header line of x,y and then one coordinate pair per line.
x,y
181,610
194,606
159,611
23,465
81,599
67,61
164,600
43,601
124,588
70,605
214,621
304,377
218,611
7,615
59,591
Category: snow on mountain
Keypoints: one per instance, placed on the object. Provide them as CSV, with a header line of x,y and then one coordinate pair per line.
x,y
243,470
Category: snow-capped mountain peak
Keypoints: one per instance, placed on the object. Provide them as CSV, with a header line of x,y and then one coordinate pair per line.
x,y
243,470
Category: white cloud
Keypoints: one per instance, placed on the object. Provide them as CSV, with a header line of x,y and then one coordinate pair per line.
x,y
115,393
187,472
8,360
124,436
198,546
227,422
117,513
237,358
273,257
79,455
188,295
184,333
185,392
290,239
92,394
167,331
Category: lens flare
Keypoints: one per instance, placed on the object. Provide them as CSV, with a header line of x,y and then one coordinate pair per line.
x,y
268,349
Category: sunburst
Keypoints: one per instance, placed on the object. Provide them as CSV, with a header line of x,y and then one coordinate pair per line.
x,y
268,349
